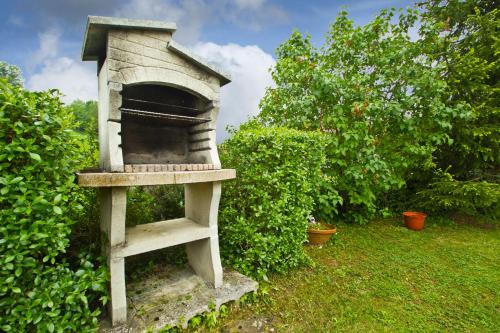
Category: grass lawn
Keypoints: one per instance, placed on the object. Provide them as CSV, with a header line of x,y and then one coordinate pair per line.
x,y
383,277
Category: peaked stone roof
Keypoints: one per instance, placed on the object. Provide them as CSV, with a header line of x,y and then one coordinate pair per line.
x,y
94,42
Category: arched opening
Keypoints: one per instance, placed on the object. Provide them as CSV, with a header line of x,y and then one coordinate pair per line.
x,y
155,123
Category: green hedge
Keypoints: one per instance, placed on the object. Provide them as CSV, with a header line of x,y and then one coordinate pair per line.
x,y
445,195
39,289
263,216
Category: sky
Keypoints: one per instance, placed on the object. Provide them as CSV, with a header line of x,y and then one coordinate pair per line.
x,y
44,38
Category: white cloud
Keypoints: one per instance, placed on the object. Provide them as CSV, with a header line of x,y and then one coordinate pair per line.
x,y
248,65
74,79
414,33
192,16
49,47
249,69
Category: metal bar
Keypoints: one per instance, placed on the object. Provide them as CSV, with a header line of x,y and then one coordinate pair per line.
x,y
164,104
167,116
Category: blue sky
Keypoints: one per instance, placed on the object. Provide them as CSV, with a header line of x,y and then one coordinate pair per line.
x,y
44,38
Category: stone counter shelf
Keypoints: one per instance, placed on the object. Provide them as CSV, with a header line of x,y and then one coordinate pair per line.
x,y
158,235
120,179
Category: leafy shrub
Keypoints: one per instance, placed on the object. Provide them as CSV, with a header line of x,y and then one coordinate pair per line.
x,y
148,204
39,152
376,95
168,201
139,206
446,195
85,113
263,216
86,232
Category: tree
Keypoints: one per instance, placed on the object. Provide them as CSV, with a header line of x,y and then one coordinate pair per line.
x,y
11,73
85,114
378,96
463,37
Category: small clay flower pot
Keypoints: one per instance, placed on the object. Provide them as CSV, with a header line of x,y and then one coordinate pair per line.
x,y
414,220
320,237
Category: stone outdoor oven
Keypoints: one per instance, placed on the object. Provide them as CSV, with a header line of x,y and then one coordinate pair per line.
x,y
158,106
158,103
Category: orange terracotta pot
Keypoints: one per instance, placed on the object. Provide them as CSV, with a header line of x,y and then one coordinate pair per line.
x,y
320,237
414,220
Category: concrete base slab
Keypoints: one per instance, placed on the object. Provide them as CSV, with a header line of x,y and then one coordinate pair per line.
x,y
175,295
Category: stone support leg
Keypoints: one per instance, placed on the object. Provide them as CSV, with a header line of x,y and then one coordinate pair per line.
x,y
117,305
201,205
204,258
113,210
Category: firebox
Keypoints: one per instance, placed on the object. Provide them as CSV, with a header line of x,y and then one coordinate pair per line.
x,y
158,107
157,126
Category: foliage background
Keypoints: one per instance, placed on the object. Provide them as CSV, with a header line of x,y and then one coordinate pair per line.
x,y
463,37
377,96
42,289
263,214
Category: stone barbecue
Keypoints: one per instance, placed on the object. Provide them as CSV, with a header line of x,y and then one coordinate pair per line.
x,y
158,103
158,106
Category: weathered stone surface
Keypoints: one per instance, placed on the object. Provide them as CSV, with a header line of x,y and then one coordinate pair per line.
x,y
179,49
115,101
123,54
201,206
202,145
158,235
98,27
175,295
114,160
113,209
109,179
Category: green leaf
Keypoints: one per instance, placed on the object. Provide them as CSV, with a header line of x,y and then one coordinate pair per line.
x,y
57,210
35,156
57,198
16,180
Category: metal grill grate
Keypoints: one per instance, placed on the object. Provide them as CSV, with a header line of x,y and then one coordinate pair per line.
x,y
178,107
166,118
